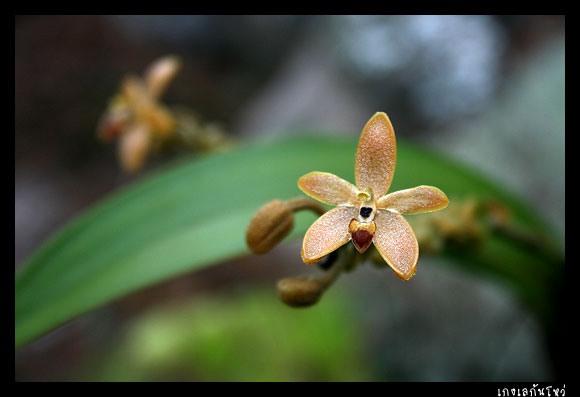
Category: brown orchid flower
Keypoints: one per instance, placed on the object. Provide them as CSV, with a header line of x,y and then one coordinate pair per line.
x,y
365,213
136,115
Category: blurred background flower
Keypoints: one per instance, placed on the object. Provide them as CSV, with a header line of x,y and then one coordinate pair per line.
x,y
487,90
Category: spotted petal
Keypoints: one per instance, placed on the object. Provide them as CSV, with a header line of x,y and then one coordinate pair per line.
x,y
327,233
328,188
376,155
415,200
396,242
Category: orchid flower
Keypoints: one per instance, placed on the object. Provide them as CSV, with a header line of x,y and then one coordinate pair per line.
x,y
137,117
364,212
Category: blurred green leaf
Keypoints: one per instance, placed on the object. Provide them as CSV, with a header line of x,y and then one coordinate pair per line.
x,y
242,335
194,214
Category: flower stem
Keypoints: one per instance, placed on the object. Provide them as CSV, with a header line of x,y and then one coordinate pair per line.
x,y
305,203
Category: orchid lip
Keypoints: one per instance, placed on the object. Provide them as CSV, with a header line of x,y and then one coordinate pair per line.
x,y
362,240
361,234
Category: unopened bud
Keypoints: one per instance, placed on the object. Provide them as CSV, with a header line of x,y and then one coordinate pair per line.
x,y
300,292
269,226
498,214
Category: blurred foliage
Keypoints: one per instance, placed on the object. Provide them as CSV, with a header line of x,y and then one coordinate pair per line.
x,y
244,335
195,213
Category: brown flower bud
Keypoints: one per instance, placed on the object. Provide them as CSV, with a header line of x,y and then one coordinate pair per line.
x,y
498,214
269,226
301,291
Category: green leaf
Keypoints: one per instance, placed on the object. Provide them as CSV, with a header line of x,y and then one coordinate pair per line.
x,y
194,214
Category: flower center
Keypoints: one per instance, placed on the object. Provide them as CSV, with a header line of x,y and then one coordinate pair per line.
x,y
363,196
367,205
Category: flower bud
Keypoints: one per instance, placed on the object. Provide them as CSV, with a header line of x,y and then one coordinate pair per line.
x,y
497,213
269,226
300,292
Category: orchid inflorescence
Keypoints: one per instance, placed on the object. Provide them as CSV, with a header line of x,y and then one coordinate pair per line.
x,y
364,214
137,117
143,124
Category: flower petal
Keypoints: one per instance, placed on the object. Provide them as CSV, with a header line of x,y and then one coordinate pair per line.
x,y
396,242
376,155
134,146
160,74
415,200
327,233
328,188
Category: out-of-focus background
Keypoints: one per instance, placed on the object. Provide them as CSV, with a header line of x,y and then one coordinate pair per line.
x,y
486,90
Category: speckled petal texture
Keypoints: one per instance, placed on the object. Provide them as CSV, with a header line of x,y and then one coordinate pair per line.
x,y
414,201
327,233
328,188
396,242
376,155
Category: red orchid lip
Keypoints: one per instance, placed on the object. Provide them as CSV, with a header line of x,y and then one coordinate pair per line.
x,y
361,234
